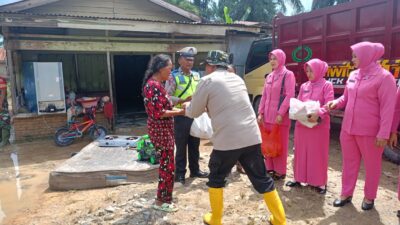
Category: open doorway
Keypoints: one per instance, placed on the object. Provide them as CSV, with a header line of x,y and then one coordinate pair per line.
x,y
129,73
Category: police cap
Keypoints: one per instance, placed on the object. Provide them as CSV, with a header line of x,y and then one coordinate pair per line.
x,y
188,52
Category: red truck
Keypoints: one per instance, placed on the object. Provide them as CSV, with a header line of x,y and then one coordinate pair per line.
x,y
327,34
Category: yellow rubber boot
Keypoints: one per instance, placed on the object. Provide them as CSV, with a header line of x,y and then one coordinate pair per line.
x,y
217,207
275,206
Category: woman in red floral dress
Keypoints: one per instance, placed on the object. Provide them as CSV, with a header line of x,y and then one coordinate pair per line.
x,y
160,124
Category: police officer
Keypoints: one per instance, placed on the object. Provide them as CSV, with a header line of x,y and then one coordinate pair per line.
x,y
180,87
236,137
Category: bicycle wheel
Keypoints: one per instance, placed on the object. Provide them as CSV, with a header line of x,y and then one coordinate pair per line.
x,y
64,137
97,132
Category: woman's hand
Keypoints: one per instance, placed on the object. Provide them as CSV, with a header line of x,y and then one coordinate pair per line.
x,y
188,99
260,119
278,119
393,140
313,118
331,104
380,142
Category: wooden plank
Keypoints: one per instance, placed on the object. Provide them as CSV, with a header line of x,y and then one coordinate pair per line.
x,y
107,46
122,39
23,5
74,10
90,3
177,10
13,20
110,83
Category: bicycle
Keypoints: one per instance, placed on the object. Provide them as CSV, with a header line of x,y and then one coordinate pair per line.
x,y
65,135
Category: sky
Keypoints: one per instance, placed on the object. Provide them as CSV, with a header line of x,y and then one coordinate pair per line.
x,y
306,3
3,2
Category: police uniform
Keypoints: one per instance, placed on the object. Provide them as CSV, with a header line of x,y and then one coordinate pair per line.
x,y
182,86
236,137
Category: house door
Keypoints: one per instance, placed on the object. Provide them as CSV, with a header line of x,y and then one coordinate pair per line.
x,y
129,72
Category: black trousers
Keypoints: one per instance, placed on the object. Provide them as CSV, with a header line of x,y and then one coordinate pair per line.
x,y
252,161
186,146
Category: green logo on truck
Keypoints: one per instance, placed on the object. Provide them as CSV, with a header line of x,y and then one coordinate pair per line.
x,y
299,49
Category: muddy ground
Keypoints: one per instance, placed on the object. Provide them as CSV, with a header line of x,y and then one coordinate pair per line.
x,y
27,199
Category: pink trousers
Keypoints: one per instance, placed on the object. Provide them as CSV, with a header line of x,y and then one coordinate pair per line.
x,y
278,164
311,150
355,148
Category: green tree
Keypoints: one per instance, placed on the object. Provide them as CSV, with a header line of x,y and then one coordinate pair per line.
x,y
205,8
186,5
253,10
318,4
295,4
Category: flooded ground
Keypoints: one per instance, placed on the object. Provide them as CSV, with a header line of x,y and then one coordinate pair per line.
x,y
24,173
26,199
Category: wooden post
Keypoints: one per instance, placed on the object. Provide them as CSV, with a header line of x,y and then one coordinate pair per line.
x,y
110,83
10,70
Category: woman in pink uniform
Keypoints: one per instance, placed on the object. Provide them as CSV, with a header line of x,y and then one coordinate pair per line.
x,y
273,108
393,136
367,121
312,144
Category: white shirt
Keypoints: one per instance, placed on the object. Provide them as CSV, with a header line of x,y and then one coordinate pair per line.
x,y
233,119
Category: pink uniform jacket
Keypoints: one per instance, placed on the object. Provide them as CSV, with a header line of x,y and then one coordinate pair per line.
x,y
312,144
368,96
271,92
396,117
317,90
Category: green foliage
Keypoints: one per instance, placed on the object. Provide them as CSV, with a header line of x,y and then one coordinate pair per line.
x,y
186,5
236,10
228,19
318,4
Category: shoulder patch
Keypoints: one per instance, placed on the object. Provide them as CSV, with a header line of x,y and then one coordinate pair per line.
x,y
175,72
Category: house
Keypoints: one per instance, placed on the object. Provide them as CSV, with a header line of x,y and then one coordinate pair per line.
x,y
104,47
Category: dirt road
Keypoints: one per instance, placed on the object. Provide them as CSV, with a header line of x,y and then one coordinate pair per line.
x,y
27,199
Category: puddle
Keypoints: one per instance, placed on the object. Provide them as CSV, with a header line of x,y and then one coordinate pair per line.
x,y
24,174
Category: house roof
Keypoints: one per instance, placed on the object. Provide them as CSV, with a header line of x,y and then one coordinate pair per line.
x,y
28,4
26,19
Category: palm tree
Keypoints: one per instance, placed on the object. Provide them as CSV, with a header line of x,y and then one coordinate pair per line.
x,y
318,4
186,5
296,4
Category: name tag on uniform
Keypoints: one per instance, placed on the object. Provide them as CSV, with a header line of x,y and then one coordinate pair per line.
x,y
306,91
352,81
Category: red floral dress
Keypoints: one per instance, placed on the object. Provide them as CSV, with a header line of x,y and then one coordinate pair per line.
x,y
161,131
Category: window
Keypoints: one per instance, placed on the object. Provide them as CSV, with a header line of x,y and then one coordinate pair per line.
x,y
258,55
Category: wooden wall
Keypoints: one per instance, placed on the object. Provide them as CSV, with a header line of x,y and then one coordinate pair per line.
x,y
129,9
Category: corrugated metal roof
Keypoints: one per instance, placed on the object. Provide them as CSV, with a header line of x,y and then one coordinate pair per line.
x,y
28,4
240,24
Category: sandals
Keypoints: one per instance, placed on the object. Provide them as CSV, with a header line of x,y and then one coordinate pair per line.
x,y
166,207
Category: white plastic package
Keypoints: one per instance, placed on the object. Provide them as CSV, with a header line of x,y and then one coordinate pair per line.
x,y
300,110
201,127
